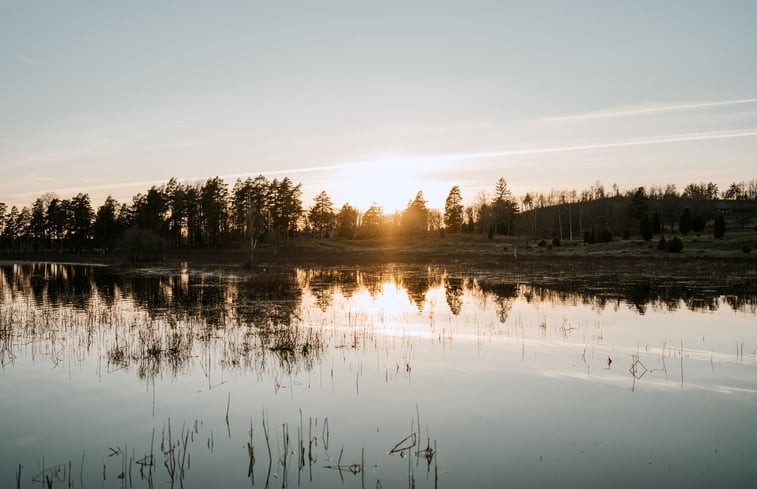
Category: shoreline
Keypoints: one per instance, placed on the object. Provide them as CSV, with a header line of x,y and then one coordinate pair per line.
x,y
702,258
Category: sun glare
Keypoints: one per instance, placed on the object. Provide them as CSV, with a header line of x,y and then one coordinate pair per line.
x,y
389,182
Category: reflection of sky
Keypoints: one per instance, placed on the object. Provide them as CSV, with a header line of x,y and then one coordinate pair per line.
x,y
504,397
368,101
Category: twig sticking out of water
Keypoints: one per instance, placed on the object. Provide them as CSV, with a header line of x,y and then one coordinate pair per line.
x,y
325,434
405,444
228,403
251,455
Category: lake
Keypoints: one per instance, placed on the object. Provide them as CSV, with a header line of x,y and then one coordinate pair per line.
x,y
372,377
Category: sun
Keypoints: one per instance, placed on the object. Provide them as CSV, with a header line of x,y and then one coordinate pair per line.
x,y
389,182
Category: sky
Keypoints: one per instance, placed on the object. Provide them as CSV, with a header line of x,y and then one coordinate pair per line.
x,y
373,101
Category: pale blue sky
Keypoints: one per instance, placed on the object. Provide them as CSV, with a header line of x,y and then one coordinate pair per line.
x,y
375,100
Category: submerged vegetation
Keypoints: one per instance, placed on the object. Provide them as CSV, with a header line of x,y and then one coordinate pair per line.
x,y
298,376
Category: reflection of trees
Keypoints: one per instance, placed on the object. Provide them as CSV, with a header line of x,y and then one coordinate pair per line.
x,y
268,298
453,292
418,283
503,295
161,321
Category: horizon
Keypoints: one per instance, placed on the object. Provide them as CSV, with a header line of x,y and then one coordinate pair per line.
x,y
374,103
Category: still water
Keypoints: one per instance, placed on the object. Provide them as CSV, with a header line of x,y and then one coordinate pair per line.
x,y
379,377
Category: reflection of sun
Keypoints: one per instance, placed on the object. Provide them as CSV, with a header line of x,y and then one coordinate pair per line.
x,y
388,312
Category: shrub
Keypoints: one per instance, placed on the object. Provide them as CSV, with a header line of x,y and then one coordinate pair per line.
x,y
541,244
626,234
662,244
719,226
675,245
606,236
556,242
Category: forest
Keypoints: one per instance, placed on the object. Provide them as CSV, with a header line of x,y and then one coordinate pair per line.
x,y
212,215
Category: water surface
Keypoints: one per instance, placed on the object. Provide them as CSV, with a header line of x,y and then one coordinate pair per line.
x,y
380,377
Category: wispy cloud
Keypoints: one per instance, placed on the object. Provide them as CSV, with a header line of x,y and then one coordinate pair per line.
x,y
673,138
655,109
428,162
25,59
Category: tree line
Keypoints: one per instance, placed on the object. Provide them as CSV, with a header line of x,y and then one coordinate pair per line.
x,y
209,214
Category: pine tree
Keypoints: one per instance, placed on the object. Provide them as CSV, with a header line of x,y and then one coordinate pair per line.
x,y
453,210
645,228
720,226
685,222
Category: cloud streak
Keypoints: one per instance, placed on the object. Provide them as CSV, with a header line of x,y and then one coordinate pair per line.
x,y
649,110
674,138
429,159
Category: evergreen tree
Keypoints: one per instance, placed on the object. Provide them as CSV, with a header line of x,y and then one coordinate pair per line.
x,y
322,217
639,202
656,223
685,222
107,227
415,216
176,204
645,228
720,226
214,206
453,210
371,223
503,207
346,221
82,218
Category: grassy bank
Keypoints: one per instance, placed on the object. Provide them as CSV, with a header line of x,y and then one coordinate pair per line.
x,y
466,250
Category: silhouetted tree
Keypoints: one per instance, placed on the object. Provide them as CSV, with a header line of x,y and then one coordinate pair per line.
x,y
322,217
215,213
645,228
250,209
698,224
286,206
346,221
504,208
453,210
685,222
640,206
176,203
82,216
107,228
193,211
149,210
719,230
415,216
371,222
656,223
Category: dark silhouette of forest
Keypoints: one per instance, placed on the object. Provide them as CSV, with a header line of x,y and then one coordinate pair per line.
x,y
211,215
